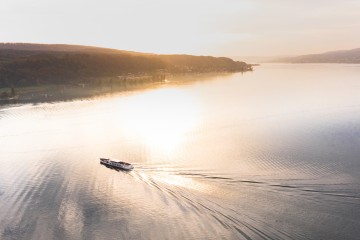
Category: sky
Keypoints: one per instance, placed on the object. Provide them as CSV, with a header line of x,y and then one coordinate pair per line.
x,y
200,27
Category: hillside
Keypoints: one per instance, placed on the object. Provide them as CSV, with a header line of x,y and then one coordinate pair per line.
x,y
346,56
36,47
23,64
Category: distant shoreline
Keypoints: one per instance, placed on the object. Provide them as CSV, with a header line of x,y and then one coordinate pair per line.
x,y
67,92
56,93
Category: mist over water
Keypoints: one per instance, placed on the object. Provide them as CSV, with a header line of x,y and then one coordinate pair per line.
x,y
272,154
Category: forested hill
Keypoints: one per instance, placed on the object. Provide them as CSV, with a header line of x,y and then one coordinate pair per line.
x,y
23,64
345,56
36,47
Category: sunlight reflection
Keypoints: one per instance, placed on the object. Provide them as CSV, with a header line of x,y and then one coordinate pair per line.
x,y
160,119
165,176
176,180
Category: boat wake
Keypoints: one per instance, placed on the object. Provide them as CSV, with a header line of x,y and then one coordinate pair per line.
x,y
241,209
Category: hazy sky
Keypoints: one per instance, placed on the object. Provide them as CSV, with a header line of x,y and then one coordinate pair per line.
x,y
208,27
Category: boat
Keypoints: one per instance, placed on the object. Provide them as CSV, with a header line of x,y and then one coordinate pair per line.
x,y
116,164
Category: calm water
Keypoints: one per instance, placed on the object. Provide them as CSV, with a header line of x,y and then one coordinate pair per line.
x,y
273,154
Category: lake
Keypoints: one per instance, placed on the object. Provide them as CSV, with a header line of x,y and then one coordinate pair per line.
x,y
269,154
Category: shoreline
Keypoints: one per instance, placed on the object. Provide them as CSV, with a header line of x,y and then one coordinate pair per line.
x,y
103,86
58,93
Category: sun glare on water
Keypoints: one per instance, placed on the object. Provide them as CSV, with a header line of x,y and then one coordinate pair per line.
x,y
160,119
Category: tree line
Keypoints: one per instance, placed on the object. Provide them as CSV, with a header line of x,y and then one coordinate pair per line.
x,y
28,68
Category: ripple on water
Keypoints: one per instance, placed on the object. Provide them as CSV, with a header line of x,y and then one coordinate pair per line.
x,y
244,163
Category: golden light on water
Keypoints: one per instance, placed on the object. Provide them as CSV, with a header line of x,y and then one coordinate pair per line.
x,y
160,119
168,177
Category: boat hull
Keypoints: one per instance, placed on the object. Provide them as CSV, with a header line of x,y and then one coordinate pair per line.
x,y
116,164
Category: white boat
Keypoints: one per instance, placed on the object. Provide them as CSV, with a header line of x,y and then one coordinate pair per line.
x,y
115,164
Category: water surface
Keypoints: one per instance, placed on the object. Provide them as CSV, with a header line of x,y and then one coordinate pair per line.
x,y
272,154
